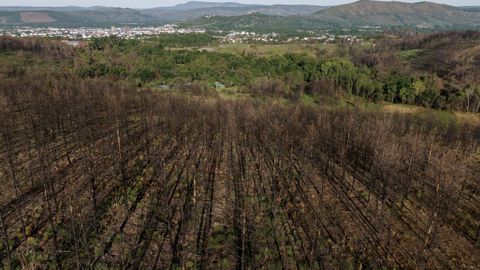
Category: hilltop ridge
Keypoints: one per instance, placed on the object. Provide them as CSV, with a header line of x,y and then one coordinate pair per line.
x,y
232,15
397,14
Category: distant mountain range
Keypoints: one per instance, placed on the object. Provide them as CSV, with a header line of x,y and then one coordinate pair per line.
x,y
473,9
377,13
235,16
105,15
364,13
71,16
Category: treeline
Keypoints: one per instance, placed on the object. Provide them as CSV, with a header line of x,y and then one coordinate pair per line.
x,y
154,62
161,40
450,59
412,40
287,75
48,48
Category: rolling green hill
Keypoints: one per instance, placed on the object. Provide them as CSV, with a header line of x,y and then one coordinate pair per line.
x,y
377,13
82,17
78,16
472,8
197,9
424,15
255,22
258,18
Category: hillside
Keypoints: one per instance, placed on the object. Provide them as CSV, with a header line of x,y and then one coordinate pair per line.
x,y
424,15
74,17
379,13
453,56
182,12
203,5
472,8
185,14
255,22
235,16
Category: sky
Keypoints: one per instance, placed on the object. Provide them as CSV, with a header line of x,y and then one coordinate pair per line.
x,y
162,3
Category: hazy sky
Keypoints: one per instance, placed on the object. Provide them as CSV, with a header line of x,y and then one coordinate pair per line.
x,y
157,3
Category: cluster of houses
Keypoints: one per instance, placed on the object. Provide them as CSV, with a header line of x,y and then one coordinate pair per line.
x,y
77,36
248,37
87,33
245,37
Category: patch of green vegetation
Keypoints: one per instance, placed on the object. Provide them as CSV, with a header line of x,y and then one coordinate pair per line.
x,y
220,236
409,54
345,264
225,263
311,49
442,118
263,70
308,99
257,22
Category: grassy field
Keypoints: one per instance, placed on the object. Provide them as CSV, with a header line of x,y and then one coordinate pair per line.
x,y
280,49
351,101
409,54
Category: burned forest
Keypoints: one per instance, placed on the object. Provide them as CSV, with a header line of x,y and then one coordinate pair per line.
x,y
101,170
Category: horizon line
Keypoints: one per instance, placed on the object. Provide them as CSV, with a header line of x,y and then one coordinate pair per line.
x,y
226,2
